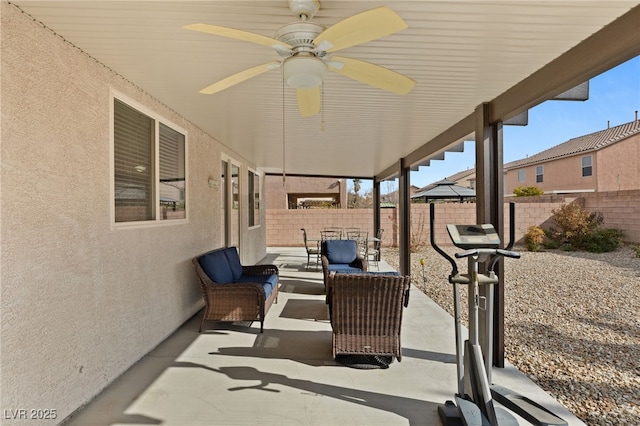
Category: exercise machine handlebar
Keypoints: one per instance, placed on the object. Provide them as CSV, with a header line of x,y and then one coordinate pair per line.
x,y
432,229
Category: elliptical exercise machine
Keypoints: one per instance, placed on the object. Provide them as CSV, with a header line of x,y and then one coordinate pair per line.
x,y
474,399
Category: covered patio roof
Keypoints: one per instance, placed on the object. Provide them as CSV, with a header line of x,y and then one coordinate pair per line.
x,y
512,54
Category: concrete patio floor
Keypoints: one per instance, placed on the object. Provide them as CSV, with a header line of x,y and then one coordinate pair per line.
x,y
234,375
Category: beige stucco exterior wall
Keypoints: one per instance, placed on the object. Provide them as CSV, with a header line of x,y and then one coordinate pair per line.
x,y
564,174
619,165
81,301
316,186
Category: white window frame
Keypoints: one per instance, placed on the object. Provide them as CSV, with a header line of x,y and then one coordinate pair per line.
x,y
250,196
158,221
524,175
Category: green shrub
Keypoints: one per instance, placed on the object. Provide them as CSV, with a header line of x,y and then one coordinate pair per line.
x,y
575,223
636,249
603,240
527,191
534,238
581,230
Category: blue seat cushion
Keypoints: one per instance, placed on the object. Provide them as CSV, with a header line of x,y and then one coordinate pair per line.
x,y
269,282
341,251
234,262
216,266
344,268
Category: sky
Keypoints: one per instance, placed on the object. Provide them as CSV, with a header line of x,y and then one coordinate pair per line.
x,y
614,96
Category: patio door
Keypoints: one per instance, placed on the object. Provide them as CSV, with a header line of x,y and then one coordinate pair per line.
x,y
230,203
234,236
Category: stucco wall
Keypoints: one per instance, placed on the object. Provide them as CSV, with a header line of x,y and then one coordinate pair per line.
x,y
81,302
316,186
558,175
619,165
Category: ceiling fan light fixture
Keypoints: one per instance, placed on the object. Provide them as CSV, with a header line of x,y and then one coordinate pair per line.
x,y
304,71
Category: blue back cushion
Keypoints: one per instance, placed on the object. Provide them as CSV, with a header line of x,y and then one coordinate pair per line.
x,y
341,251
234,262
216,266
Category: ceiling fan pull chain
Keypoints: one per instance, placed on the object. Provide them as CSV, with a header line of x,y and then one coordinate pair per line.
x,y
284,175
322,109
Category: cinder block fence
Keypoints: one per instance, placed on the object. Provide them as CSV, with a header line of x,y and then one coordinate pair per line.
x,y
621,209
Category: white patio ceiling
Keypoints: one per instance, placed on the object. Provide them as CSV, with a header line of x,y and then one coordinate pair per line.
x,y
461,53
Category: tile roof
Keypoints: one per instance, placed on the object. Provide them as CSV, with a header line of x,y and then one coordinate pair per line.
x,y
454,178
590,142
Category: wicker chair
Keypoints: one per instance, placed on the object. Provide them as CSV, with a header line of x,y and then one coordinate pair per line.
x,y
340,256
366,313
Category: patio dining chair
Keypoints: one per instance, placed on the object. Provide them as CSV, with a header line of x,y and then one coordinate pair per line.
x,y
374,252
331,234
312,250
362,240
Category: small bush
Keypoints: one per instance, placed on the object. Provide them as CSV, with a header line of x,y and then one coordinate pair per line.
x,y
534,238
527,191
580,230
575,223
636,249
603,240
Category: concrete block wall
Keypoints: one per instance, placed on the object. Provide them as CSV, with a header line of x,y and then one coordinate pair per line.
x,y
621,209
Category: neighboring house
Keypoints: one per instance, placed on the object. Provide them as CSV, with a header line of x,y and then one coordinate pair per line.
x,y
390,199
296,192
602,161
606,160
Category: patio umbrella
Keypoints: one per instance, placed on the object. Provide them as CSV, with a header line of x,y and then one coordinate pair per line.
x,y
445,190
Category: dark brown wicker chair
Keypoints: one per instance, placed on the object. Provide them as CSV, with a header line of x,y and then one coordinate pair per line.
x,y
238,301
357,263
366,313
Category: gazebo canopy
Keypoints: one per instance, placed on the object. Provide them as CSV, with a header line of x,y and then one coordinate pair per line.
x,y
445,190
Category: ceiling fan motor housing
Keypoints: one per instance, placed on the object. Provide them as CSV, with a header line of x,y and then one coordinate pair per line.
x,y
300,35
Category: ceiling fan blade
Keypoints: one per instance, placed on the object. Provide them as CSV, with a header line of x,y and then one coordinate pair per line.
x,y
308,101
238,35
361,28
234,79
373,75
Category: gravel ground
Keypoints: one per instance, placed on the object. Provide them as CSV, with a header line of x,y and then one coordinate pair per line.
x,y
572,324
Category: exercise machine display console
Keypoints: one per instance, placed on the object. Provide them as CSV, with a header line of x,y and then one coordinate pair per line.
x,y
474,236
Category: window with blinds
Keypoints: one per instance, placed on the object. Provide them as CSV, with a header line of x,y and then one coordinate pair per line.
x,y
142,193
172,176
587,167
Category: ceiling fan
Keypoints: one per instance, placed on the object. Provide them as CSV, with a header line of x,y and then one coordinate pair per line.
x,y
306,49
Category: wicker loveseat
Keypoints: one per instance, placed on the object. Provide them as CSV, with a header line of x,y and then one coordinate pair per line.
x,y
233,292
366,313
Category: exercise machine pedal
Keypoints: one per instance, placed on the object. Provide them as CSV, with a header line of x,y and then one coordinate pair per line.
x,y
461,413
529,410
